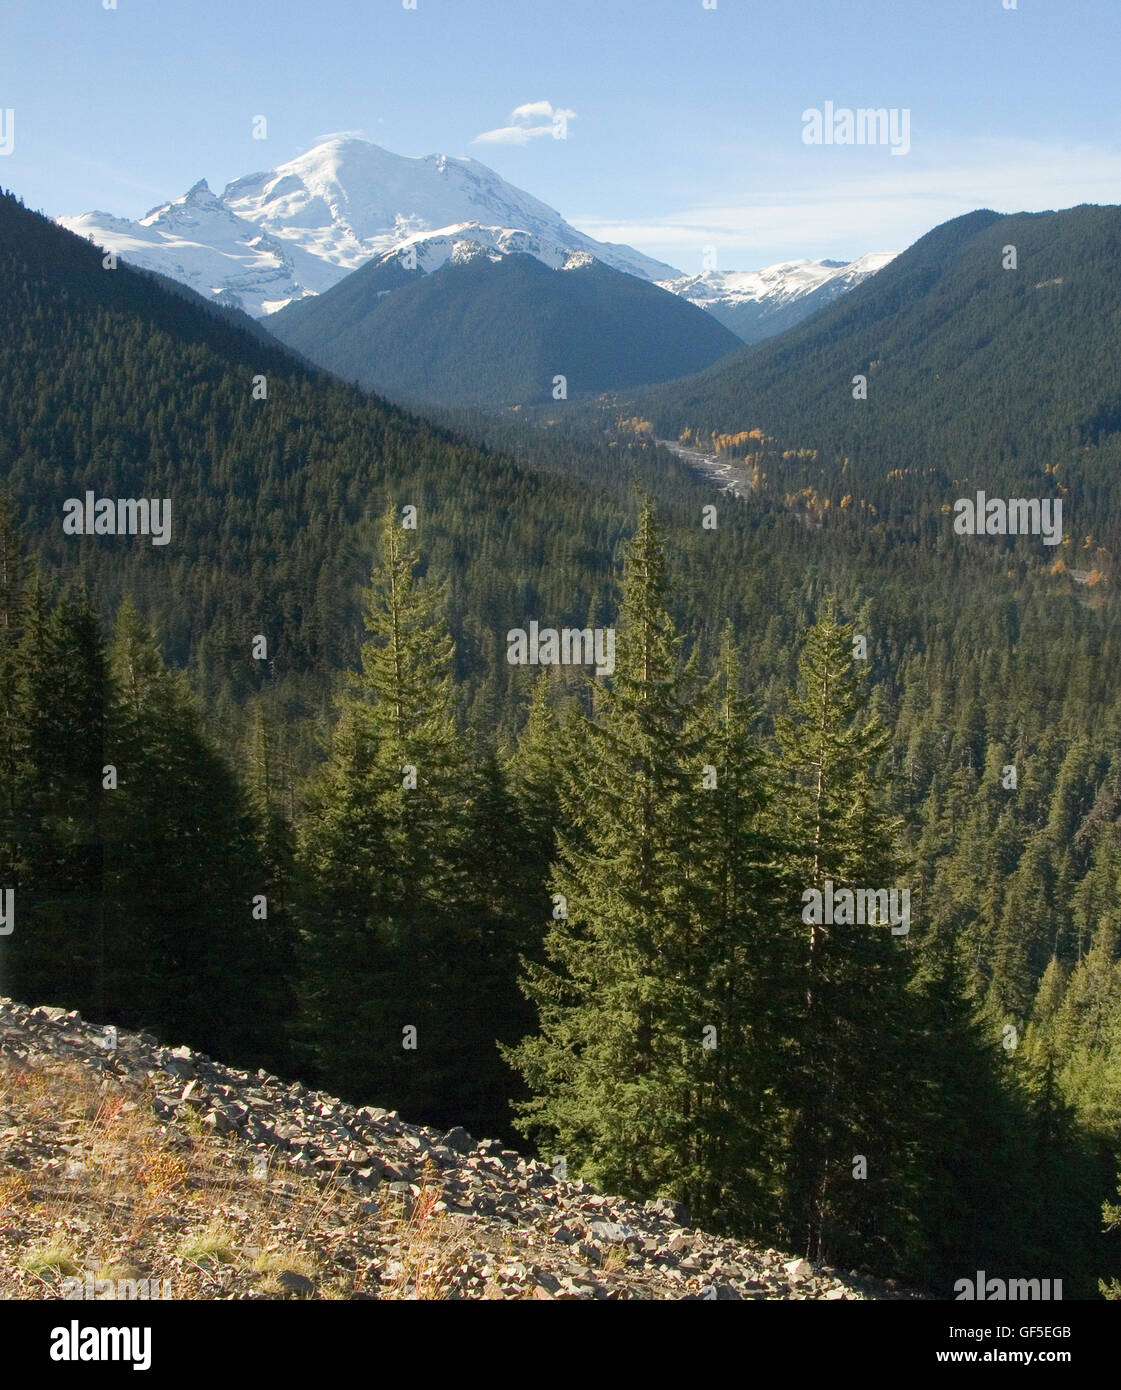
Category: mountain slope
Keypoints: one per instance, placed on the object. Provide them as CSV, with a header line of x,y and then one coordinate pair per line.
x,y
276,237
197,240
115,386
757,304
507,1226
975,373
488,329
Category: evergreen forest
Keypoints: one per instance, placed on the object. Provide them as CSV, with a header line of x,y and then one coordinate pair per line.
x,y
275,789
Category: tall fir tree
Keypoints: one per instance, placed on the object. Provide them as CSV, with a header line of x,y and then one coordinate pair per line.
x,y
404,952
15,771
848,1173
732,1172
192,955
621,994
58,952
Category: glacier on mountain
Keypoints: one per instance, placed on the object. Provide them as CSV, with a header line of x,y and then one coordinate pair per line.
x,y
273,237
285,234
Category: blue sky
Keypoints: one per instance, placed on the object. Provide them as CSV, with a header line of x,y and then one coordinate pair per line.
x,y
686,129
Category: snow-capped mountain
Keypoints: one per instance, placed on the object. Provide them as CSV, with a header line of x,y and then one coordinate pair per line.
x,y
756,304
196,239
271,238
274,238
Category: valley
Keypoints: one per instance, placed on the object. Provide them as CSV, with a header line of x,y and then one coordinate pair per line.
x,y
567,640
725,473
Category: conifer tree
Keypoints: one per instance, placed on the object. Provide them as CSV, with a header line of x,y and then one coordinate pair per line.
x,y
58,949
14,577
15,773
620,997
1111,1221
1096,892
852,1050
535,777
499,923
402,951
732,1173
1027,935
969,1128
190,956
1085,1037
1039,1041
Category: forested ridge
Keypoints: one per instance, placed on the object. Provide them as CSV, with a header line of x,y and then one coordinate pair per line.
x,y
435,906
114,386
493,334
989,353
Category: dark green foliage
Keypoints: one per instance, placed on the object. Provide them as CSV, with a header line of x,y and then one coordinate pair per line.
x,y
130,847
975,1063
978,376
111,384
58,829
496,334
740,1108
621,998
411,955
855,1032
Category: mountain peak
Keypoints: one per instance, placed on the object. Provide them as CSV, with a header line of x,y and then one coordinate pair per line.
x,y
281,234
198,199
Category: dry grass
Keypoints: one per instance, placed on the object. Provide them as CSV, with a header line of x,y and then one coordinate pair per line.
x,y
55,1258
209,1247
430,1245
92,1182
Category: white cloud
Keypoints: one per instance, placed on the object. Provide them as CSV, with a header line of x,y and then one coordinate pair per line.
x,y
532,110
338,135
870,209
533,120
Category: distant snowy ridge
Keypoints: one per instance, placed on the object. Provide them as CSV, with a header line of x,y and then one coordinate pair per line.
x,y
758,303
778,283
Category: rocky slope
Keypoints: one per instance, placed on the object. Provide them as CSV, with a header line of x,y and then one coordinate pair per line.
x,y
118,1154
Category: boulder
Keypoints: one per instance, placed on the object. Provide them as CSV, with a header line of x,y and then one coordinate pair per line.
x,y
458,1140
294,1283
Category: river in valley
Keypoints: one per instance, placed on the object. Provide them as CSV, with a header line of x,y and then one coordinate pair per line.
x,y
728,475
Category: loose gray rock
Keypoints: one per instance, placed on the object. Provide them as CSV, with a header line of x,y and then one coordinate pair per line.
x,y
531,1234
458,1140
298,1284
676,1212
612,1232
